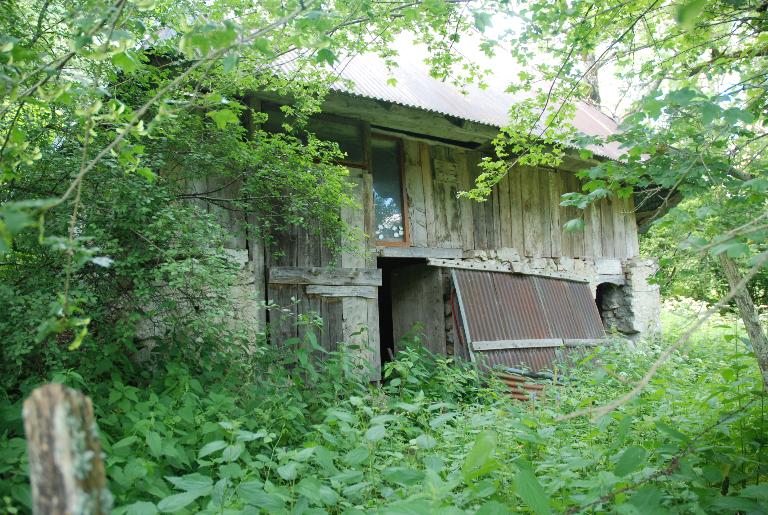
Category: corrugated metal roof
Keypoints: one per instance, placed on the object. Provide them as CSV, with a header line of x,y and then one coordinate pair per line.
x,y
536,315
415,87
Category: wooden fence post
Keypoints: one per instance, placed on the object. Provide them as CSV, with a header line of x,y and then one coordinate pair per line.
x,y
65,465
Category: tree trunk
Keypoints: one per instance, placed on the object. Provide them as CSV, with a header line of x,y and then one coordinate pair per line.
x,y
65,462
748,315
591,77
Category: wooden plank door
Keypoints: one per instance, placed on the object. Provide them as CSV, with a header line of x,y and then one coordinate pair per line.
x,y
417,297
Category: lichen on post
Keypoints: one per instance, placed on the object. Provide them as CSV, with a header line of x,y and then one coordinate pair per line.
x,y
66,469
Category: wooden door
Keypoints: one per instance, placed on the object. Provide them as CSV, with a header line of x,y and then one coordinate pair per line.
x,y
417,297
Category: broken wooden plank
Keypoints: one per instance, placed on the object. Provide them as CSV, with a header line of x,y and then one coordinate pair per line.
x,y
327,276
368,292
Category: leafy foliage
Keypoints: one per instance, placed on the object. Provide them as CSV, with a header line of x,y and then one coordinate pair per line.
x,y
295,440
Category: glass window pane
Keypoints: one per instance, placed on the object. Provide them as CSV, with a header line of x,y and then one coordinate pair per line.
x,y
387,190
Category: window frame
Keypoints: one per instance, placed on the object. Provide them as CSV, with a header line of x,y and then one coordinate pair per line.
x,y
406,220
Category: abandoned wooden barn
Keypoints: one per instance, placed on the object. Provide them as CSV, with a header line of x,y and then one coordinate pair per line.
x,y
499,282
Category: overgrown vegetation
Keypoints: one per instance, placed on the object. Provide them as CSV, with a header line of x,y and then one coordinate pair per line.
x,y
435,438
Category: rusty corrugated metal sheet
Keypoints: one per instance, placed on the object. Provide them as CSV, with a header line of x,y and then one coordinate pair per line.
x,y
498,306
415,87
535,359
520,387
569,309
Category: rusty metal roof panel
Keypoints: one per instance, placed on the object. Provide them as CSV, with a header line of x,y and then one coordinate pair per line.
x,y
536,315
569,309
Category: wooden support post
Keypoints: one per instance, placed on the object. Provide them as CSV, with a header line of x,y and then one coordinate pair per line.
x,y
65,464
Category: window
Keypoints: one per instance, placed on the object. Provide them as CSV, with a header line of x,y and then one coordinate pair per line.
x,y
348,134
391,227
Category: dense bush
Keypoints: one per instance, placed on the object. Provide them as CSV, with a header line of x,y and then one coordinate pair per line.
x,y
307,438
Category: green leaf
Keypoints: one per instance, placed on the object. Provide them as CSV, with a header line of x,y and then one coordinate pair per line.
x,y
232,452
493,508
326,55
211,447
229,63
223,117
442,419
424,441
125,442
147,173
482,20
671,431
689,12
630,459
155,443
531,491
759,492
573,225
356,456
480,461
317,492
647,498
125,61
289,471
402,475
252,493
141,508
176,502
196,482
375,433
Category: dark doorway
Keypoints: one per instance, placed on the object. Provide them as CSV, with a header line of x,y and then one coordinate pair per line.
x,y
386,326
411,293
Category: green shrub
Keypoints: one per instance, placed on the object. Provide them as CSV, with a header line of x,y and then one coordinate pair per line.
x,y
300,435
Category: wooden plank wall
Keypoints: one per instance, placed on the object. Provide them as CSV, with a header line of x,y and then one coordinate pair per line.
x,y
353,319
523,212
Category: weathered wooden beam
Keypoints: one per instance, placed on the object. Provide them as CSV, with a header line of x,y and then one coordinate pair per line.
x,y
326,276
65,463
516,344
420,252
368,292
